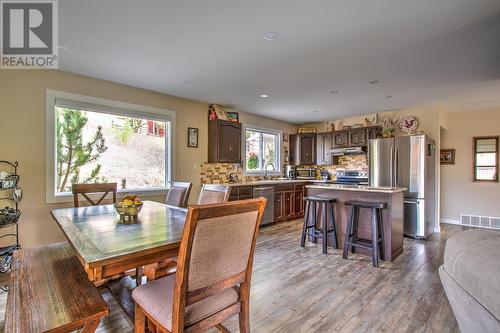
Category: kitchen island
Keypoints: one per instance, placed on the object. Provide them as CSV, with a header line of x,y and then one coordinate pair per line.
x,y
392,215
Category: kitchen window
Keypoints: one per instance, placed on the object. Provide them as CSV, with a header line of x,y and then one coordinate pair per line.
x,y
485,158
100,141
262,148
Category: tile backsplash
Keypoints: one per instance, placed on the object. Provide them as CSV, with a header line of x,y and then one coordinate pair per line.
x,y
218,173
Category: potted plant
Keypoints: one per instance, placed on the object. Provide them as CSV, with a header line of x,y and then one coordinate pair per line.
x,y
388,125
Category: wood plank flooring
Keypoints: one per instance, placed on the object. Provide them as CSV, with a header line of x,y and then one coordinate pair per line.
x,y
298,289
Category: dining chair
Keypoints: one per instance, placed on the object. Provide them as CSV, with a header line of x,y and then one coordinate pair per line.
x,y
213,193
85,189
178,194
210,194
213,276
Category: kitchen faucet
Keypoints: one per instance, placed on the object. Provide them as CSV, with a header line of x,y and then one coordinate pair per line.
x,y
266,176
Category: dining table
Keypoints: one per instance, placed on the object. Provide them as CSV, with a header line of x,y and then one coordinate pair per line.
x,y
108,246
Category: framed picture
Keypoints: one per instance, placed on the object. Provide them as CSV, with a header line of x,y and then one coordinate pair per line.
x,y
192,137
447,156
233,116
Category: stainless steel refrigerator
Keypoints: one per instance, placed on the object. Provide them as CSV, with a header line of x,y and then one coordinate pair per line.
x,y
408,161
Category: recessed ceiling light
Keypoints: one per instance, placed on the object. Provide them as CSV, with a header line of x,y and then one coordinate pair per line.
x,y
374,82
333,92
264,96
389,96
271,35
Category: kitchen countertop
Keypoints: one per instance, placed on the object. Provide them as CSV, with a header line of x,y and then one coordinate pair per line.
x,y
273,182
358,188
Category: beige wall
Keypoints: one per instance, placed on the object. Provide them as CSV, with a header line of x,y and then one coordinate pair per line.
x,y
459,194
22,135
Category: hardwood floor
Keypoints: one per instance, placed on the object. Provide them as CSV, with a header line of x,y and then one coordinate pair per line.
x,y
298,289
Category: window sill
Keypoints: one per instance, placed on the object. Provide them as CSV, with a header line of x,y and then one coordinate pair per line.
x,y
144,194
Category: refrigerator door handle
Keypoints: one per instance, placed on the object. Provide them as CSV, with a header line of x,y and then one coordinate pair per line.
x,y
411,202
396,167
391,164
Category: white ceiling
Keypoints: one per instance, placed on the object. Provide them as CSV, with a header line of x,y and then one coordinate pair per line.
x,y
421,51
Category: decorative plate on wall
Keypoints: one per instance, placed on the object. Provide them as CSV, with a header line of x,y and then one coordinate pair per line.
x,y
408,124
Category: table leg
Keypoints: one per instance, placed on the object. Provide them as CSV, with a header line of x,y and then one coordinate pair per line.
x,y
138,276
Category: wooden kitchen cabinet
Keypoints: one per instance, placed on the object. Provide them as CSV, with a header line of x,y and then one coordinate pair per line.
x,y
341,139
373,132
357,137
288,202
298,203
324,143
279,210
224,141
303,149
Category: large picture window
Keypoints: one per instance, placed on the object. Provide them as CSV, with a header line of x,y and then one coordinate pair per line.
x,y
262,149
96,143
486,158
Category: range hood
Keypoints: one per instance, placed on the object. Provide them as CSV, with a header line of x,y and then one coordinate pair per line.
x,y
348,151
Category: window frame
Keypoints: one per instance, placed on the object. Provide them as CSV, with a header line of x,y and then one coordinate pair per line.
x,y
474,158
109,107
279,141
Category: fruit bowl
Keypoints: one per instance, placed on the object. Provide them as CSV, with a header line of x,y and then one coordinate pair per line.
x,y
129,208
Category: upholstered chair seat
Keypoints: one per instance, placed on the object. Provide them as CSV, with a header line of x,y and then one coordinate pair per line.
x,y
156,299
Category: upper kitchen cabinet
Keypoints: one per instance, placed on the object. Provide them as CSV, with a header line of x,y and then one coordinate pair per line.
x,y
373,132
303,149
224,141
341,139
323,148
355,137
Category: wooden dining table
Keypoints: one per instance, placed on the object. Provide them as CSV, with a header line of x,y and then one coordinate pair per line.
x,y
107,246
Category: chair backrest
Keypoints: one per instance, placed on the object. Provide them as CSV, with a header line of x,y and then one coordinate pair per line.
x,y
178,194
212,194
85,189
216,252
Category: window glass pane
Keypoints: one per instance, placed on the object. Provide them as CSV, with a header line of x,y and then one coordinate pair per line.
x,y
94,147
485,145
253,150
485,173
486,159
269,149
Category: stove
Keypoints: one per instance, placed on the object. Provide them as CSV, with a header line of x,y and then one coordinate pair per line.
x,y
351,177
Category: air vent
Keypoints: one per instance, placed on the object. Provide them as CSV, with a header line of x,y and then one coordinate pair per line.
x,y
480,221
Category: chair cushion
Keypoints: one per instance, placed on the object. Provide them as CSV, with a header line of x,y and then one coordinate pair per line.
x,y
156,299
471,259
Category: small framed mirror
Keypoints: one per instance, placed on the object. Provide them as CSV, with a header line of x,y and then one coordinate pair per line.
x,y
485,166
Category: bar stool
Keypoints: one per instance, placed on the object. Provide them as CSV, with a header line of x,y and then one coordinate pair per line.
x,y
325,204
376,244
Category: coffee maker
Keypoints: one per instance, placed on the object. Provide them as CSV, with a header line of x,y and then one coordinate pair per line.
x,y
290,171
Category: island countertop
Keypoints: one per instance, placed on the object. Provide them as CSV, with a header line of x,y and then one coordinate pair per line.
x,y
358,188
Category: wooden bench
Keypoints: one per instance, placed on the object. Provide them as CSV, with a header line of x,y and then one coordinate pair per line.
x,y
49,291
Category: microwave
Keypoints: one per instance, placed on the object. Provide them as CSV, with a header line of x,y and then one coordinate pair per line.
x,y
306,173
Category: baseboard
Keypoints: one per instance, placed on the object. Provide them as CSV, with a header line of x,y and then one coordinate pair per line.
x,y
449,221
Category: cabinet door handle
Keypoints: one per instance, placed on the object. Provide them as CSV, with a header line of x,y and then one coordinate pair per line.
x,y
230,148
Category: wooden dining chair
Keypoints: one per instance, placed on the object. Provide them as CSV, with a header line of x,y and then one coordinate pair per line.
x,y
213,276
85,189
210,194
213,193
178,194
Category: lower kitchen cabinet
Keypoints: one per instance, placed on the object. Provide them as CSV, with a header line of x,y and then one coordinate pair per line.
x,y
298,203
288,205
279,211
288,199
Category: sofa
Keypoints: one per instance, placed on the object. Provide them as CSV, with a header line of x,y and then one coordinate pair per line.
x,y
471,279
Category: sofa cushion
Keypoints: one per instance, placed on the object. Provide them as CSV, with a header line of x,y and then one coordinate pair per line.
x,y
472,259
